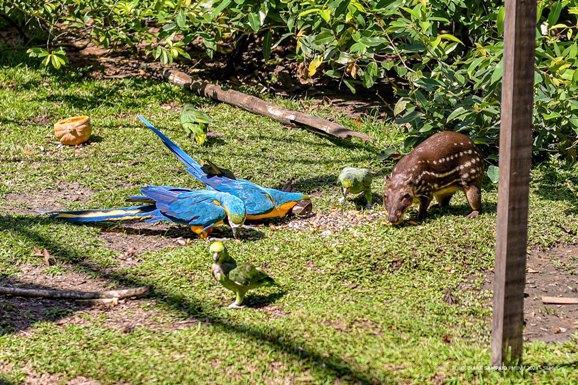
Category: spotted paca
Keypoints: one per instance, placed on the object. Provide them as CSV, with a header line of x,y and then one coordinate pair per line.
x,y
438,167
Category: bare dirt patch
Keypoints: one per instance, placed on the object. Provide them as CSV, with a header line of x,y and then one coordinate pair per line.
x,y
129,239
45,200
18,314
552,273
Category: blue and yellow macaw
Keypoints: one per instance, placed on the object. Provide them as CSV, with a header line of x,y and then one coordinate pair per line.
x,y
260,202
199,209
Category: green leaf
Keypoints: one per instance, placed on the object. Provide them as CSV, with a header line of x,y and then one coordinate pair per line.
x,y
219,8
37,52
493,174
309,11
500,20
333,74
400,106
370,75
340,7
458,113
554,14
325,15
349,85
447,36
181,20
498,71
358,47
56,61
267,45
254,22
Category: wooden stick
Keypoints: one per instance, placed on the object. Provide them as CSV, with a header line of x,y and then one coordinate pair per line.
x,y
73,294
560,300
261,107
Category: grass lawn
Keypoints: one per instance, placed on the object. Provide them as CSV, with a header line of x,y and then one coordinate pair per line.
x,y
359,301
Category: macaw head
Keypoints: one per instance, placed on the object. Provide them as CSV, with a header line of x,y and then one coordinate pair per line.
x,y
219,252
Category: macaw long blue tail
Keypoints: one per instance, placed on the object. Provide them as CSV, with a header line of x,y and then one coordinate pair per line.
x,y
105,215
193,167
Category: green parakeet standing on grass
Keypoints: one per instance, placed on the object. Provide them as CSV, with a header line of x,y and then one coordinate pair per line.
x,y
356,181
237,277
195,123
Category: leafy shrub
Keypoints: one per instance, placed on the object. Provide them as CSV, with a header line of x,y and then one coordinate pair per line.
x,y
443,58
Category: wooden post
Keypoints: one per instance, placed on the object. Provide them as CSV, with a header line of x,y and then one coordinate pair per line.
x,y
515,159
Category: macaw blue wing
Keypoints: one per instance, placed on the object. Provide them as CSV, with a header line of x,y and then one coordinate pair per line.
x,y
259,202
193,167
201,210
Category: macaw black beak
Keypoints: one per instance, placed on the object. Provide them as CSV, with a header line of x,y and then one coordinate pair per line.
x,y
216,257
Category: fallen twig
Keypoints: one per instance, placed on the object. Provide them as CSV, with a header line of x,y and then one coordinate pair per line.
x,y
560,300
261,107
73,294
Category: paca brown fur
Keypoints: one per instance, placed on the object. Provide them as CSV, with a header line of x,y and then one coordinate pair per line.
x,y
441,165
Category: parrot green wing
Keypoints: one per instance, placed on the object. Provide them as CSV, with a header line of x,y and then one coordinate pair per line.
x,y
195,122
246,274
356,180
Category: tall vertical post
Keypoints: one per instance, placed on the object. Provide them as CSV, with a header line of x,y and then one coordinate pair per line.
x,y
515,159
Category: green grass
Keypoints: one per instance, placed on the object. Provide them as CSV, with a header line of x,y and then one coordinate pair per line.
x,y
363,305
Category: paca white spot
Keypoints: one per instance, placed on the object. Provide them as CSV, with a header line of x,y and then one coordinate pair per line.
x,y
465,176
461,153
435,162
470,151
461,143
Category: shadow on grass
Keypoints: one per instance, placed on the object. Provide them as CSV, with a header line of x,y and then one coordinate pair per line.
x,y
322,362
19,313
4,381
559,186
247,233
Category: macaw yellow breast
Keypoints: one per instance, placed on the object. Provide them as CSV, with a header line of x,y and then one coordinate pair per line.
x,y
277,212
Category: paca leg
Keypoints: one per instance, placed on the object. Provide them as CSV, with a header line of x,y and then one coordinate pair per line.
x,y
443,200
423,205
474,196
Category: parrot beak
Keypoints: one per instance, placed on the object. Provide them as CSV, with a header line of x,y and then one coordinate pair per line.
x,y
216,257
236,234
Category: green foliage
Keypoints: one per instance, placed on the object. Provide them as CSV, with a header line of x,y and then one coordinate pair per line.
x,y
55,58
443,59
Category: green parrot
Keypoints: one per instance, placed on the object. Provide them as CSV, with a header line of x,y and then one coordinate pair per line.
x,y
195,123
356,181
238,278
